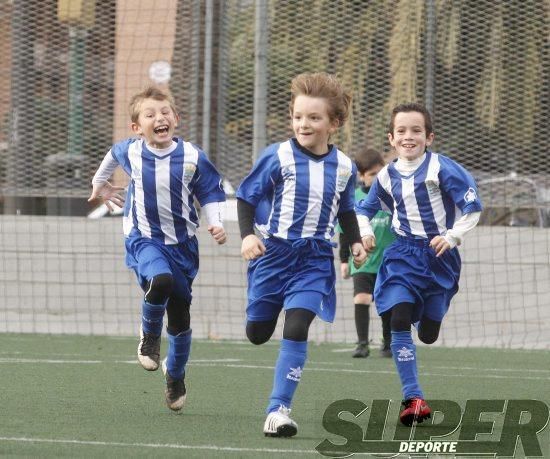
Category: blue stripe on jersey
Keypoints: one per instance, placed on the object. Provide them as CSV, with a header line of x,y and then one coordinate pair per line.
x,y
150,195
450,212
176,192
301,197
423,202
330,173
190,200
276,205
397,192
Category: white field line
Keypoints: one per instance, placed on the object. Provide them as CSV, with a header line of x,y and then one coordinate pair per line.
x,y
157,445
231,363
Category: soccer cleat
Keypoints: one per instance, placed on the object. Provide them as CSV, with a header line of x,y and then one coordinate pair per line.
x,y
415,410
279,424
385,349
148,350
175,392
361,351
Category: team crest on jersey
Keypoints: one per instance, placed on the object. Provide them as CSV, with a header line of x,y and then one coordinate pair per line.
x,y
342,176
470,195
188,172
288,174
433,187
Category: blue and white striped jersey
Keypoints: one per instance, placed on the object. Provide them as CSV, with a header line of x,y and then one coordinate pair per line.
x,y
159,204
426,203
296,195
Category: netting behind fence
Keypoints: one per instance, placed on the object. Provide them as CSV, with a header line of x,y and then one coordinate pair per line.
x,y
68,69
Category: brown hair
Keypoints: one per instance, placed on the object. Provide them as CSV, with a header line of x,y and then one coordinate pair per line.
x,y
149,93
367,158
412,107
326,86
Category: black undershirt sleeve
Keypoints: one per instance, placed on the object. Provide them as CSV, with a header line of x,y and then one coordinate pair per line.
x,y
350,227
343,249
245,215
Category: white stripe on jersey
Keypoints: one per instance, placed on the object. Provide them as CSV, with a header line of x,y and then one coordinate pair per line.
x,y
134,156
164,204
411,207
436,201
286,159
344,163
315,199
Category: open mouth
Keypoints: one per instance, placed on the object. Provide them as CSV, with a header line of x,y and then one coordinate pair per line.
x,y
161,130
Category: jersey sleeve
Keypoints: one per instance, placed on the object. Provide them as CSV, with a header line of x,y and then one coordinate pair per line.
x,y
209,187
459,184
119,151
347,198
370,205
261,180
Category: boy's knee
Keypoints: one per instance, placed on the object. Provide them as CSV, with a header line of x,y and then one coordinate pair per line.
x,y
428,338
259,332
159,289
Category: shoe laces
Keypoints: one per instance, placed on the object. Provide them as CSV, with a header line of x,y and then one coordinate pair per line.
x,y
284,410
148,343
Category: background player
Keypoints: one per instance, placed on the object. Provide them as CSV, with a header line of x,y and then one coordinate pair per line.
x,y
369,162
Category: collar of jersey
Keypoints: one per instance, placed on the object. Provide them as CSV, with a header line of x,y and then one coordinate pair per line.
x,y
167,151
392,170
296,147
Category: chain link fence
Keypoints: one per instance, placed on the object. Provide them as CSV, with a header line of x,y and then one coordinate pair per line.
x,y
69,67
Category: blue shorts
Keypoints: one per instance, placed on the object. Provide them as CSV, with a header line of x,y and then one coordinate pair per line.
x,y
411,273
292,275
149,258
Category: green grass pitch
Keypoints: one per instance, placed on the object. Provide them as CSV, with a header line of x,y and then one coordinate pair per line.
x,y
72,396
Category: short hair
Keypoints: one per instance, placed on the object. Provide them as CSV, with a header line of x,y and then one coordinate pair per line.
x,y
326,86
412,107
149,92
366,158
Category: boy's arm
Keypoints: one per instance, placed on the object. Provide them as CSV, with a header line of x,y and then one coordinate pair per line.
x,y
251,247
101,188
463,225
214,213
344,251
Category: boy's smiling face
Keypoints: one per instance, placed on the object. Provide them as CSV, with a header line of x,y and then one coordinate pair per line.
x,y
409,136
157,122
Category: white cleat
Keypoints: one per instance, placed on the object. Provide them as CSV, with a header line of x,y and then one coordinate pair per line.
x,y
279,424
148,350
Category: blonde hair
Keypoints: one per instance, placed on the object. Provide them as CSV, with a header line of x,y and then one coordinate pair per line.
x,y
326,86
149,93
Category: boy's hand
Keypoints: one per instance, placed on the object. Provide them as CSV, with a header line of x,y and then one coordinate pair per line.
x,y
359,254
218,233
440,245
369,243
108,194
344,270
252,247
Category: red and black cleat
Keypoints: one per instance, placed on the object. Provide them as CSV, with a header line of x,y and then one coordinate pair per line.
x,y
415,409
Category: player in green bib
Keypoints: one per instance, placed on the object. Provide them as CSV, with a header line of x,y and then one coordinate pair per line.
x,y
369,162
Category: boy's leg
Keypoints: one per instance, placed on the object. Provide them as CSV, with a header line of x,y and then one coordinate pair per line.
x,y
385,350
363,285
260,331
288,372
177,355
157,291
404,356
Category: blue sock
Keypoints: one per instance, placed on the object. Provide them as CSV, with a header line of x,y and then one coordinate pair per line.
x,y
179,347
151,318
404,356
288,372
